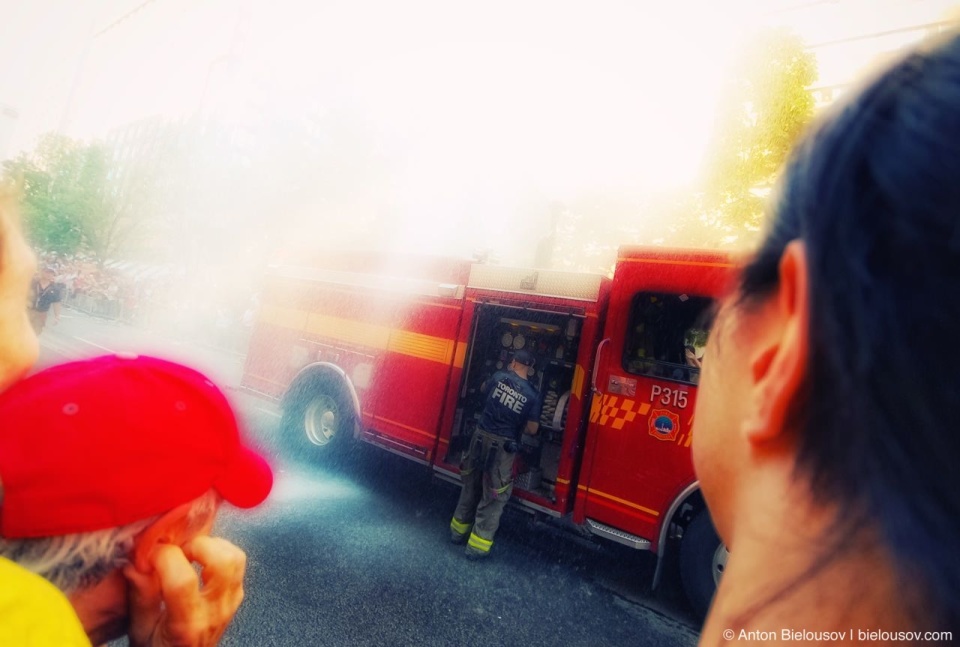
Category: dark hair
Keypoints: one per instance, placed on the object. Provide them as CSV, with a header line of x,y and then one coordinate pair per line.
x,y
873,191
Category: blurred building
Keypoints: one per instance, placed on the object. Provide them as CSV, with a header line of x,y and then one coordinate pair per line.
x,y
177,176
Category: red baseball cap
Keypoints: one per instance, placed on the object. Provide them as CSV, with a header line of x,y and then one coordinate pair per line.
x,y
107,441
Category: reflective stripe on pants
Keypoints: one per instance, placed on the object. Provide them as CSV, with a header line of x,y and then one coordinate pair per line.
x,y
459,527
479,543
487,474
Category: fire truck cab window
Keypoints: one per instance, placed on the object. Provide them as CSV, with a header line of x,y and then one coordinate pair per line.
x,y
666,335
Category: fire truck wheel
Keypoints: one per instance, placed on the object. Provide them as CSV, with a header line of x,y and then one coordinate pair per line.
x,y
702,560
314,425
321,420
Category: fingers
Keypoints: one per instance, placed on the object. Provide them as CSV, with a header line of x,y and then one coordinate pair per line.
x,y
145,604
170,606
171,579
195,615
175,570
223,563
179,588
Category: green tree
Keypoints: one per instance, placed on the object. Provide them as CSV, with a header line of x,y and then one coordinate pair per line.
x,y
48,199
71,202
765,105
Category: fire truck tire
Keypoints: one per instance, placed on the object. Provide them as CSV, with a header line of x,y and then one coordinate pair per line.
x,y
315,425
702,560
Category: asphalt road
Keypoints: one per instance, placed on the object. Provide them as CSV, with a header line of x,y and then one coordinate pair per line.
x,y
361,556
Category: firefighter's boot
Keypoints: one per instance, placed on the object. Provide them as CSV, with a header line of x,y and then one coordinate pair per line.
x,y
477,547
459,531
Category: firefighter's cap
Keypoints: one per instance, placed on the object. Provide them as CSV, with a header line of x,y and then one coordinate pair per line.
x,y
524,357
108,441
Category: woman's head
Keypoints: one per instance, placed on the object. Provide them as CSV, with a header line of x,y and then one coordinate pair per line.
x,y
18,343
858,274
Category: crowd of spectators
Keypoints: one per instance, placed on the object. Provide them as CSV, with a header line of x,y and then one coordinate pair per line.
x,y
99,290
209,306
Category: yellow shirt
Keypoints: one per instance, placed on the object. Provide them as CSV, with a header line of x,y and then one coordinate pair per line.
x,y
34,613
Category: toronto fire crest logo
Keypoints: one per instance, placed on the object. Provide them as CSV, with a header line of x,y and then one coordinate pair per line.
x,y
663,424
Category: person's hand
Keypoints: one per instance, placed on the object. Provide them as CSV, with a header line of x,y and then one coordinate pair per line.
x,y
171,608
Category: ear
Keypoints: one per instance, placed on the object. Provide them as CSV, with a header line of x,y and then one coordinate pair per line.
x,y
779,364
174,527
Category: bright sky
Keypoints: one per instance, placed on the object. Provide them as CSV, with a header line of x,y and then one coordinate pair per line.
x,y
487,105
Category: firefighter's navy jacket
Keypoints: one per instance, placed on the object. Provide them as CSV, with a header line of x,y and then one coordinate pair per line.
x,y
511,402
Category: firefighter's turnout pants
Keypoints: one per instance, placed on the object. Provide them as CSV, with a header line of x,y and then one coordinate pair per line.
x,y
487,474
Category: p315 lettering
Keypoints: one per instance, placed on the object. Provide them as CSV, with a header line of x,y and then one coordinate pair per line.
x,y
668,397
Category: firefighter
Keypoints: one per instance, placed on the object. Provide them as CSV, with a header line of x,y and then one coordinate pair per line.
x,y
512,407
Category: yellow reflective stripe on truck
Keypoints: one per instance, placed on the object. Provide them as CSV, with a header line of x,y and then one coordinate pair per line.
x,y
352,331
348,330
577,387
415,344
610,497
665,261
460,354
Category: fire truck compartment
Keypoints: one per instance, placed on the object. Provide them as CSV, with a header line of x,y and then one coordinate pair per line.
x,y
554,339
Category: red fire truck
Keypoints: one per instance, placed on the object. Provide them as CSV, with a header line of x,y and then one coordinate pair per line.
x,y
391,350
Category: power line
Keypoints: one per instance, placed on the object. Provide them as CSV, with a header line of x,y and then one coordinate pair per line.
x,y
122,18
797,7
879,34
